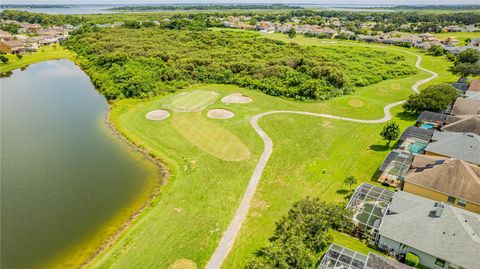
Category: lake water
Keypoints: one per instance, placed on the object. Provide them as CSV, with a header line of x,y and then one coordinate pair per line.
x,y
67,181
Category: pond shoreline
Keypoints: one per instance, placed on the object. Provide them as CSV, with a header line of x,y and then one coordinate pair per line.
x,y
164,175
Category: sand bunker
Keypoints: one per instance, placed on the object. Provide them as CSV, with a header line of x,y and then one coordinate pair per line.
x,y
236,98
183,264
157,115
220,114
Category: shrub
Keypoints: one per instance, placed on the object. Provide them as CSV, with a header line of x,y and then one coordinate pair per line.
x,y
435,98
412,259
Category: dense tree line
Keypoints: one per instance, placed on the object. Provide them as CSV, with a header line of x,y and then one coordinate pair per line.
x,y
301,236
41,18
205,7
148,61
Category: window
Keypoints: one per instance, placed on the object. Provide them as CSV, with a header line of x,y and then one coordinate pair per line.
x,y
462,203
451,199
440,262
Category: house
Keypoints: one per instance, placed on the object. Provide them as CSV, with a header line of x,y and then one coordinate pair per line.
x,y
441,235
341,257
471,95
4,35
475,42
465,106
395,167
11,46
462,146
474,85
463,124
431,120
415,139
455,182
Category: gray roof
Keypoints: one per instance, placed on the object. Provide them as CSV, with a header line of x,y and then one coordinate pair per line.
x,y
454,236
462,146
376,261
472,95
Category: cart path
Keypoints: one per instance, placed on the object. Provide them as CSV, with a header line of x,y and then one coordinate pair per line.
x,y
231,233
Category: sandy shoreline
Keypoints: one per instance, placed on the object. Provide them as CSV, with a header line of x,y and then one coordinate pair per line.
x,y
163,179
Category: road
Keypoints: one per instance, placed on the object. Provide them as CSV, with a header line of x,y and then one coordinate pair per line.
x,y
231,233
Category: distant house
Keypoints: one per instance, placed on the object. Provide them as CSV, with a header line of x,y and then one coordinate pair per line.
x,y
431,120
471,95
4,35
441,235
450,181
465,106
462,146
463,124
11,46
475,42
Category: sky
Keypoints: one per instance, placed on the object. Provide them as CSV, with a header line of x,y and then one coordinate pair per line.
x,y
329,2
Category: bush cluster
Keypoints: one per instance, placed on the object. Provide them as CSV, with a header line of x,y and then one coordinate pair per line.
x,y
144,62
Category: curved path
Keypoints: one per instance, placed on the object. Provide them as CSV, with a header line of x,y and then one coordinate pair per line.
x,y
230,234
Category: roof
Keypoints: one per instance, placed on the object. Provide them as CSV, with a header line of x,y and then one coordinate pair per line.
x,y
474,85
472,95
426,162
434,117
12,43
469,123
462,146
376,261
454,236
416,132
455,178
465,106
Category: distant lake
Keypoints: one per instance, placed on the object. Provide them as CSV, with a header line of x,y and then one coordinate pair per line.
x,y
67,182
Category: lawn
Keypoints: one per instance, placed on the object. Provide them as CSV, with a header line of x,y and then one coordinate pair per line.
x,y
43,54
200,199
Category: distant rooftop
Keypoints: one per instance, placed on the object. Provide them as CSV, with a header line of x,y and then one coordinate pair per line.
x,y
463,146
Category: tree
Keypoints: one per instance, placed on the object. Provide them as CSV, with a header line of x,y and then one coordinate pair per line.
x,y
292,33
390,132
469,56
435,98
350,180
466,69
3,58
301,236
19,56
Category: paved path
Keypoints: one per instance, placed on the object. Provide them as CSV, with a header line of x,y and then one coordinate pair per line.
x,y
230,234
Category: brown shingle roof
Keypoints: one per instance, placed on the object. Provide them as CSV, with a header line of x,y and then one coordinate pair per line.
x,y
474,85
457,178
464,106
12,43
469,123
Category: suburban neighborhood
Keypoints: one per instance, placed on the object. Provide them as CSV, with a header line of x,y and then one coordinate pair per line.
x,y
432,214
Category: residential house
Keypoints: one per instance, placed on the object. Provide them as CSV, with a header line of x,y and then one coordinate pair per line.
x,y
455,182
462,146
465,106
4,35
12,46
474,85
475,42
463,124
441,235
461,87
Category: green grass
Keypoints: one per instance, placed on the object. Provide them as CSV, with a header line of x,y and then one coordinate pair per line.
x,y
192,101
43,54
201,197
